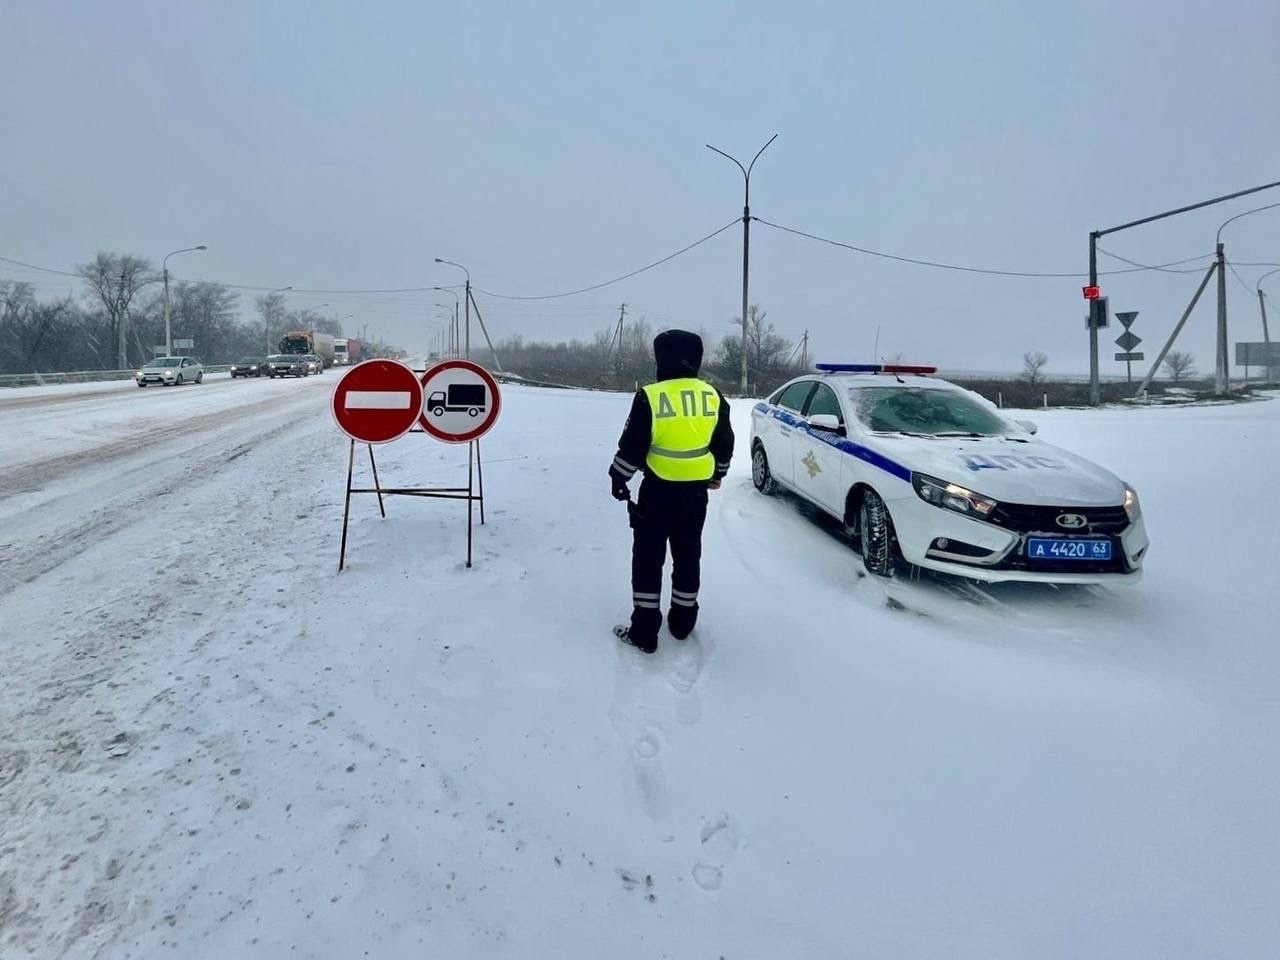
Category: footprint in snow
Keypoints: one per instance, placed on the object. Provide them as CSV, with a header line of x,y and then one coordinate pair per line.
x,y
650,780
719,840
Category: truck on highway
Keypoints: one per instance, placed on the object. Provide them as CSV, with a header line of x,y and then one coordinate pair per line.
x,y
309,341
346,351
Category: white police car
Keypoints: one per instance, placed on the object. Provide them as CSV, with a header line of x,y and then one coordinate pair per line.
x,y
921,470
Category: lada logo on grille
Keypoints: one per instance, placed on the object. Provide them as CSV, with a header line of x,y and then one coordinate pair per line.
x,y
1072,521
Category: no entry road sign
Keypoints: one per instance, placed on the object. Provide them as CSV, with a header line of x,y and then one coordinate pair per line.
x,y
462,401
377,401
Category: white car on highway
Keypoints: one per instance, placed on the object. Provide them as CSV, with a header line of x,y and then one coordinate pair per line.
x,y
170,371
923,471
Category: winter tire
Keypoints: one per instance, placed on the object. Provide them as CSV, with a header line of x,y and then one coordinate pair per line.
x,y
875,531
178,382
760,473
200,377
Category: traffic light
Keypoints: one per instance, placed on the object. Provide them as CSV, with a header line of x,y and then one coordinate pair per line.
x,y
1099,316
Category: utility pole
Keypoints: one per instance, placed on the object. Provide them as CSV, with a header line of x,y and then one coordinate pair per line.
x,y
1221,371
746,244
1266,334
1095,235
617,332
804,352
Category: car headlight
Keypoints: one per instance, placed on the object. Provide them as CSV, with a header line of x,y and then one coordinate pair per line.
x,y
952,496
1132,508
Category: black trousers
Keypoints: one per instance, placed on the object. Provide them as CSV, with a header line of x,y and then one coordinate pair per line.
x,y
674,513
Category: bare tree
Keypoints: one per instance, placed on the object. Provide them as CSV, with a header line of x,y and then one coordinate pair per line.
x,y
115,279
274,313
1032,364
1180,364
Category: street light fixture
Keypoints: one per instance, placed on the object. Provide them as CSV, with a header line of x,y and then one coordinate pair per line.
x,y
168,335
746,240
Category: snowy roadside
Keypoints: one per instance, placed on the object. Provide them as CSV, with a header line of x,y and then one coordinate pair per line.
x,y
215,743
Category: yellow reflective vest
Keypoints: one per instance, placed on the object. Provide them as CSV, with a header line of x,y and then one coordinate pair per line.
x,y
685,413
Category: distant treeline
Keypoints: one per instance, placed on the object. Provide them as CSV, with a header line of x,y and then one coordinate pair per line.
x,y
604,363
118,318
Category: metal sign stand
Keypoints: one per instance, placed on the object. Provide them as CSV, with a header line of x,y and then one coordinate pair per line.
x,y
473,492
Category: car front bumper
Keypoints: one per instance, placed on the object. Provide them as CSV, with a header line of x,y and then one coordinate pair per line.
x,y
984,551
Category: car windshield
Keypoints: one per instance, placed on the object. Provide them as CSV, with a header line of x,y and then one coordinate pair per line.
x,y
931,412
250,360
280,358
164,362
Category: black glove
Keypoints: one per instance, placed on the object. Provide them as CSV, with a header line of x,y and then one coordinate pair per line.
x,y
619,489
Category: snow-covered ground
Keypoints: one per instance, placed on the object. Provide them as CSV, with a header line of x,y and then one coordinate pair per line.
x,y
214,745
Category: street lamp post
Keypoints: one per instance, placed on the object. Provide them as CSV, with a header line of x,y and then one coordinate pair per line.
x,y
746,242
466,303
447,318
454,333
168,334
266,321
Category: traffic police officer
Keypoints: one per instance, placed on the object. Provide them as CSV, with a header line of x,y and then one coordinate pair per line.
x,y
679,434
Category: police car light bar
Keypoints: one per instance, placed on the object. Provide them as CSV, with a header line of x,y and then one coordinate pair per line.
x,y
875,368
908,368
848,367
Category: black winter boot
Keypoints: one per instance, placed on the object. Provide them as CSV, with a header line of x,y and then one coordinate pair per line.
x,y
681,620
623,633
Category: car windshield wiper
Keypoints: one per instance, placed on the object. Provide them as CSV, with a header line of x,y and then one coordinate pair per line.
x,y
906,433
962,433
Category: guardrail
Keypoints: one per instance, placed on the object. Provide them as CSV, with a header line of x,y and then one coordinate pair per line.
x,y
83,376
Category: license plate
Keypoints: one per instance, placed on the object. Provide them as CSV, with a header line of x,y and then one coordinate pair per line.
x,y
1055,548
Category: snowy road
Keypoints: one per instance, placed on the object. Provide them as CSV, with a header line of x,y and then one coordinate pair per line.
x,y
213,745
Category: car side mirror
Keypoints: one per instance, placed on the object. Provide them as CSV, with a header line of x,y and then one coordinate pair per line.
x,y
826,421
1027,425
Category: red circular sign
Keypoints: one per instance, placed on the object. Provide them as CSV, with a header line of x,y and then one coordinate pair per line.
x,y
461,401
377,401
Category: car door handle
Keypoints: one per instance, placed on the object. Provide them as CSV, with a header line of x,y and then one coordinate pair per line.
x,y
785,432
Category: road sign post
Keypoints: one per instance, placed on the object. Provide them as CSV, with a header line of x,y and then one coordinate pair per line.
x,y
1127,341
379,401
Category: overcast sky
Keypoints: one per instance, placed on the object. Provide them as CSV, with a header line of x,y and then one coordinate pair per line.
x,y
553,145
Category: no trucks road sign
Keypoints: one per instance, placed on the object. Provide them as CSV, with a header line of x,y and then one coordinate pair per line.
x,y
462,401
377,401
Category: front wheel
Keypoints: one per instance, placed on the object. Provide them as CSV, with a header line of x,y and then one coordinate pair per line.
x,y
178,382
200,377
760,473
880,553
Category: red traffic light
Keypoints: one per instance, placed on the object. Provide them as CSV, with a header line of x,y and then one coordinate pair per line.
x,y
1092,292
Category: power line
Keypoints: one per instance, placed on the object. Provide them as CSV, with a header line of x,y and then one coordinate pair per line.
x,y
1247,289
1162,267
937,264
625,276
32,266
